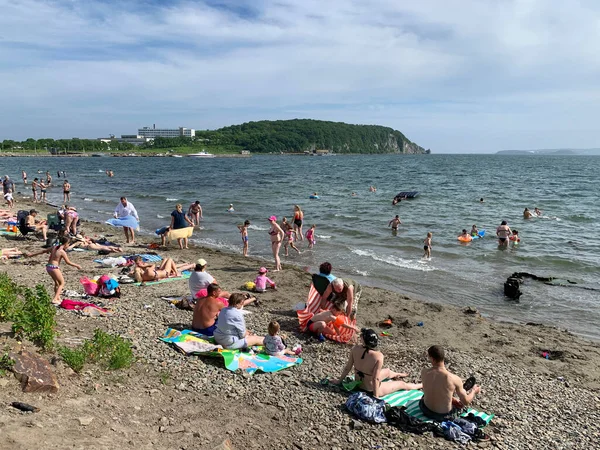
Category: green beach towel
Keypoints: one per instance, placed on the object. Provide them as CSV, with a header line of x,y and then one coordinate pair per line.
x,y
192,343
184,276
410,399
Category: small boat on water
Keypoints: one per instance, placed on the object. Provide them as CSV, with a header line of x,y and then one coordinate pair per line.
x,y
202,155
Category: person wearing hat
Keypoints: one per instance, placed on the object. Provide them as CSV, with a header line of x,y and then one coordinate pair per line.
x,y
200,278
368,368
276,234
261,281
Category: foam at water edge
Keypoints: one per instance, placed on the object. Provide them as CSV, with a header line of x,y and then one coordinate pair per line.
x,y
171,199
323,236
88,199
394,261
257,228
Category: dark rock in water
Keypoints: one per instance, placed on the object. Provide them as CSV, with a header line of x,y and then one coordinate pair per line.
x,y
511,288
34,373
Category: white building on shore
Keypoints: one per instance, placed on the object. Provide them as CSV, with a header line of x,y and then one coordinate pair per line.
x,y
154,132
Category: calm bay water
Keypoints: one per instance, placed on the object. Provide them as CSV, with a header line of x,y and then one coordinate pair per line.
x,y
352,232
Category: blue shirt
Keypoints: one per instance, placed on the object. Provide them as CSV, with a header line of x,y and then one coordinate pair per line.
x,y
231,323
179,221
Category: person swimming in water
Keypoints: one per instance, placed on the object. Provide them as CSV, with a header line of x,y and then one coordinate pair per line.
x,y
527,214
230,209
537,212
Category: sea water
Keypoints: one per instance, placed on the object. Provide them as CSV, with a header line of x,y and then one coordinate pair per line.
x,y
353,233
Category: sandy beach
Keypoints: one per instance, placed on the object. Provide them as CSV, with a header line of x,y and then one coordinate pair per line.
x,y
170,401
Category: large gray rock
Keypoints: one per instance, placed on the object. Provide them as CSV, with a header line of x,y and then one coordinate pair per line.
x,y
34,373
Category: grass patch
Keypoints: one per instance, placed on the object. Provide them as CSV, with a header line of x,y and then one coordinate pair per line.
x,y
109,351
6,364
165,377
34,317
9,298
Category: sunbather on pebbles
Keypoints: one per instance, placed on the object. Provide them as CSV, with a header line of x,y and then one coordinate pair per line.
x,y
149,272
368,366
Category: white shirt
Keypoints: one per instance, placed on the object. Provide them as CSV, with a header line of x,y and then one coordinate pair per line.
x,y
124,211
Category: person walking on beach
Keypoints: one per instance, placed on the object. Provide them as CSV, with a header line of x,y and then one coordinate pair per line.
x,y
298,219
124,209
394,224
178,221
195,212
7,185
57,254
503,232
66,191
24,176
34,186
276,234
427,246
244,232
440,386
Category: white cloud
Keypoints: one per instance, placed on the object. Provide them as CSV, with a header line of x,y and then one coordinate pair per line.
x,y
441,72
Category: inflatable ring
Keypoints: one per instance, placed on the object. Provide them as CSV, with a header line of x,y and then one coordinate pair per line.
x,y
465,239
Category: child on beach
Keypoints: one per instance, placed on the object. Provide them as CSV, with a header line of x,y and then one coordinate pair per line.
x,y
329,322
57,254
427,246
274,344
289,238
244,231
9,199
261,281
311,236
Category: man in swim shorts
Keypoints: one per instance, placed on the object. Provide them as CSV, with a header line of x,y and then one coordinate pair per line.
x,y
34,227
503,232
439,386
207,310
394,223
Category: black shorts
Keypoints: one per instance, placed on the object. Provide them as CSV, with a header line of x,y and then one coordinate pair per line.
x,y
425,247
298,222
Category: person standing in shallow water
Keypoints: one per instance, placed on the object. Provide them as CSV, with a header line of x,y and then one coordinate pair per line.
x,y
298,220
66,191
503,232
276,234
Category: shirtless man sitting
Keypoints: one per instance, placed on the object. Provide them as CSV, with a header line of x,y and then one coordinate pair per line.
x,y
369,370
33,226
207,310
439,386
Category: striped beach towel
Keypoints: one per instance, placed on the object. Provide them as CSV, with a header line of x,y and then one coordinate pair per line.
x,y
313,306
410,399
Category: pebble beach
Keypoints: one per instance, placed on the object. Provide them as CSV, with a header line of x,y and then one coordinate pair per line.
x,y
171,401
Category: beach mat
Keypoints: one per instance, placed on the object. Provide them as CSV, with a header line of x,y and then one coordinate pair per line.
x,y
191,343
185,275
7,233
410,400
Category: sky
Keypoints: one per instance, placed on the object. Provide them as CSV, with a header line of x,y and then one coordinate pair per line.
x,y
454,76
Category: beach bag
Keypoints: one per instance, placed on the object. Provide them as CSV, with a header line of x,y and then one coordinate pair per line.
x,y
109,287
89,286
367,408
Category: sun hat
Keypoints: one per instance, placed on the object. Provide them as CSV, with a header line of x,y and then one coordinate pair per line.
x,y
273,218
201,262
262,270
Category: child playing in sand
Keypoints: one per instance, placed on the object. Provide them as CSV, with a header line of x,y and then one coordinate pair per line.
x,y
244,231
273,343
9,199
329,322
427,246
311,236
261,281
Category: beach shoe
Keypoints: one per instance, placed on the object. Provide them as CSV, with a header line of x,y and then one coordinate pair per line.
x,y
321,338
387,323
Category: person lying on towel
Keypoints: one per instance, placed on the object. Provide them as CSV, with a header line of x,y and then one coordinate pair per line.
x,y
330,321
142,271
368,368
440,386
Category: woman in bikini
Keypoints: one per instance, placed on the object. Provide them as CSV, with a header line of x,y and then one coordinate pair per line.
x,y
368,368
57,254
66,191
71,219
86,243
195,212
149,272
298,218
276,234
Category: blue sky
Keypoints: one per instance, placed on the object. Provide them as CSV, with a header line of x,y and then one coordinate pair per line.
x,y
467,76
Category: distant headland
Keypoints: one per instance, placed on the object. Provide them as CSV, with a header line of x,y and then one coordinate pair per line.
x,y
297,136
555,151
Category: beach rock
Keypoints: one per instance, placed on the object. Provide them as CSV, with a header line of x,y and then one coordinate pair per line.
x,y
85,421
34,373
